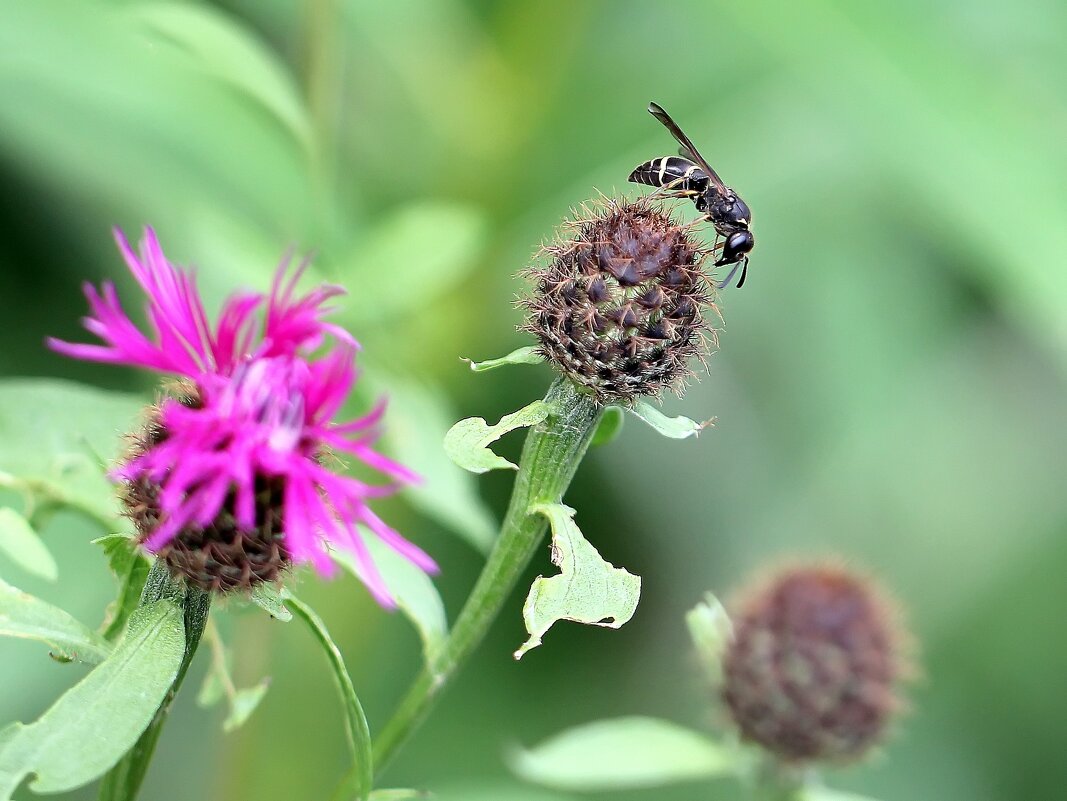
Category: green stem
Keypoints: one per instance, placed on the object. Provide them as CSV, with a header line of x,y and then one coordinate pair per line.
x,y
550,457
123,781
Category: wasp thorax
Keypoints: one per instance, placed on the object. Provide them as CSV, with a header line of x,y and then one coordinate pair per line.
x,y
813,668
221,557
619,307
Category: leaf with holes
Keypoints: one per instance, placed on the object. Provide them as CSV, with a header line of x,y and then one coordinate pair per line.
x,y
466,442
587,589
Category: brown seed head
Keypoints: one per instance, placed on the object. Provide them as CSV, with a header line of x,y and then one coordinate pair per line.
x,y
618,308
813,668
221,557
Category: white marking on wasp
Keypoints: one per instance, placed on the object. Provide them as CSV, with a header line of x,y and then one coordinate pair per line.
x,y
662,168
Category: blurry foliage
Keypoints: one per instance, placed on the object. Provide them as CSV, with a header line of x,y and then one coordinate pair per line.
x,y
891,385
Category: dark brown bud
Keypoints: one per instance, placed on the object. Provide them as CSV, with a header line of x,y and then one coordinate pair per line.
x,y
221,557
618,309
813,669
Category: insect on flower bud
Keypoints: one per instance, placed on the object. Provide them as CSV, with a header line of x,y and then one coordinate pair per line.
x,y
618,307
813,668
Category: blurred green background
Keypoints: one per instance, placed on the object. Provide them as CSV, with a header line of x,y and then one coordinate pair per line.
x,y
891,384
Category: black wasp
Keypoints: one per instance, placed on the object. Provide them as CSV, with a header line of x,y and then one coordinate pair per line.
x,y
691,176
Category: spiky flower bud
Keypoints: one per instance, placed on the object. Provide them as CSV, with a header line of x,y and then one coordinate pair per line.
x,y
222,556
812,671
618,308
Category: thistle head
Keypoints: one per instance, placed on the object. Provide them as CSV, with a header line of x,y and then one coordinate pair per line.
x,y
813,669
618,308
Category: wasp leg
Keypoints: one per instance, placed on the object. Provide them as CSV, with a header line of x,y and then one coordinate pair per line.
x,y
744,273
726,282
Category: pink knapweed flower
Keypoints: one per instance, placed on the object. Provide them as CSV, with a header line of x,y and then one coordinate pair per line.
x,y
237,470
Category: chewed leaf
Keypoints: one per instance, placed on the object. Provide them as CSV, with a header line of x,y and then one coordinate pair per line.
x,y
466,442
23,545
413,590
609,427
243,704
526,355
672,427
711,630
268,598
587,589
218,685
624,754
98,720
30,618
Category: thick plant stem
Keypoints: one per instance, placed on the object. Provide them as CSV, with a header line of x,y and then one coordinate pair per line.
x,y
552,452
123,781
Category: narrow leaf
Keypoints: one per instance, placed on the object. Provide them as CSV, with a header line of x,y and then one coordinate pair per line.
x,y
672,427
609,427
357,730
466,441
711,630
20,542
269,598
398,795
30,618
94,723
413,590
526,355
587,589
218,685
623,754
131,569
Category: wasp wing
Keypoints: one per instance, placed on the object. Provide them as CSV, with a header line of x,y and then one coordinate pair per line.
x,y
688,149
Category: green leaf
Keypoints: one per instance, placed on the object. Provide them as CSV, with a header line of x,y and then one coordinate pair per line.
x,y
398,795
131,568
526,355
587,589
711,631
20,542
423,249
56,438
218,684
816,793
94,723
228,53
418,417
466,441
672,427
357,730
609,427
270,599
413,590
30,618
483,790
623,754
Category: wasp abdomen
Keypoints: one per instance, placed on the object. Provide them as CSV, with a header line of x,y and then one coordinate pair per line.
x,y
673,172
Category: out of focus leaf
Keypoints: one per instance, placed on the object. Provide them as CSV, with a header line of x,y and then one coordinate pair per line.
x,y
95,722
711,630
826,794
229,53
269,598
398,795
357,730
410,258
609,427
494,791
56,438
22,615
218,684
466,441
526,355
419,417
413,590
623,754
673,427
131,569
23,545
587,589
